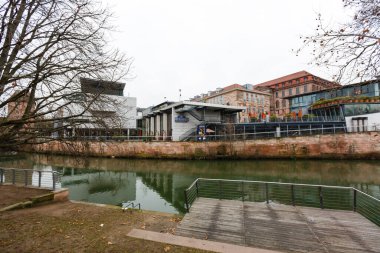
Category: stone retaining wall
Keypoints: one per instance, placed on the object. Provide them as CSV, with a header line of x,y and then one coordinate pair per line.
x,y
339,146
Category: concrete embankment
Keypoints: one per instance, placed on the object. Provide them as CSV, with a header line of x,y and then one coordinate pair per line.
x,y
340,146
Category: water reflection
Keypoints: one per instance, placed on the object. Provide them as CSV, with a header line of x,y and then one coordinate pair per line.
x,y
159,185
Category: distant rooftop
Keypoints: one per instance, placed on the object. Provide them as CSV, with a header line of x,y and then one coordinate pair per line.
x,y
287,78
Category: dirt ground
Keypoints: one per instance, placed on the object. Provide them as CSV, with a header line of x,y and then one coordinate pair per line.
x,y
76,227
10,194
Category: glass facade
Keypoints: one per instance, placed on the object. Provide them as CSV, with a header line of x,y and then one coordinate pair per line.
x,y
360,109
303,102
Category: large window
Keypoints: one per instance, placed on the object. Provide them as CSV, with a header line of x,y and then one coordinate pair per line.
x,y
360,109
290,92
297,90
305,88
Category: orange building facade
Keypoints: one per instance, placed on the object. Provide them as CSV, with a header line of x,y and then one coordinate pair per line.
x,y
257,103
294,84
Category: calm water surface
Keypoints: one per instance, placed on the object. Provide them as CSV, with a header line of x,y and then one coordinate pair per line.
x,y
159,184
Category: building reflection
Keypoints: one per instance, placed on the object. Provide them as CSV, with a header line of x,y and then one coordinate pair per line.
x,y
107,187
171,187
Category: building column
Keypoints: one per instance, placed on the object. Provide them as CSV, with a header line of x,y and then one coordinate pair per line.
x,y
147,127
164,125
151,130
158,127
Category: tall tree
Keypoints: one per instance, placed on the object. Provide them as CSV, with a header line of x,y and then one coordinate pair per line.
x,y
45,46
352,48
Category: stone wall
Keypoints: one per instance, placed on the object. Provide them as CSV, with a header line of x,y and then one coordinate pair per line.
x,y
339,146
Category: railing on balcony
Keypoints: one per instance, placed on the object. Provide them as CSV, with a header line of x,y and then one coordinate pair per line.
x,y
320,196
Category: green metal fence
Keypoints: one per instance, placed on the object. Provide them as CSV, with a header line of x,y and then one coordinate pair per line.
x,y
320,196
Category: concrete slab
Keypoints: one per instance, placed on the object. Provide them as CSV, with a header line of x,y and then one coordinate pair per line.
x,y
194,243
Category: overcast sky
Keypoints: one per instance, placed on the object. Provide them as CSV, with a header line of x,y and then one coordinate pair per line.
x,y
200,45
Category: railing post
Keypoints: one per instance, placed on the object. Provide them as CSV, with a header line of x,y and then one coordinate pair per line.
x,y
242,190
26,177
267,193
13,176
220,189
186,201
292,193
39,178
354,200
53,180
320,197
196,186
1,176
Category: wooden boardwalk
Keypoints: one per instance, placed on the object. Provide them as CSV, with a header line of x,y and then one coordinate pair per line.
x,y
280,227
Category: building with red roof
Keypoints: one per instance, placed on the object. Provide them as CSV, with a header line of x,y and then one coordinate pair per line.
x,y
294,84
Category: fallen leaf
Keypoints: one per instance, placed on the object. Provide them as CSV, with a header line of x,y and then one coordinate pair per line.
x,y
109,243
167,248
101,225
143,227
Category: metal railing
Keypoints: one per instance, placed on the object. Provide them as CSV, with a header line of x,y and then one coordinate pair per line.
x,y
302,119
36,178
320,196
305,130
128,204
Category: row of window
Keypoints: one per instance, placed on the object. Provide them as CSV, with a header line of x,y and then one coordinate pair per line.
x,y
283,103
369,90
254,110
216,100
360,109
247,97
250,97
296,81
290,91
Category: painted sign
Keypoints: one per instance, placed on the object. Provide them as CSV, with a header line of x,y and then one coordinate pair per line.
x,y
181,119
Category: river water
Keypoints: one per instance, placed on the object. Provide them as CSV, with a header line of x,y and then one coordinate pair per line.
x,y
159,184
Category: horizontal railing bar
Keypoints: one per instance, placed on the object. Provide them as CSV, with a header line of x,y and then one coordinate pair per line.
x,y
372,197
33,170
279,183
188,188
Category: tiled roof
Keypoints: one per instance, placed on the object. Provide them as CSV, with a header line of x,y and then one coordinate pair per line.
x,y
285,78
232,86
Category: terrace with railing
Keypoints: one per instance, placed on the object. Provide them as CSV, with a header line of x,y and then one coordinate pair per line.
x,y
319,196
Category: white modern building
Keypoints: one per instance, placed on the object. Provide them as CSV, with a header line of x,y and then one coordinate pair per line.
x,y
179,120
108,112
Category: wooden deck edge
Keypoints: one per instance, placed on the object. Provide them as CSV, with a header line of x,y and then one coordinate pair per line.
x,y
194,243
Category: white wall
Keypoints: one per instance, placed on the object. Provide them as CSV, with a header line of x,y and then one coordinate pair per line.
x,y
128,111
373,122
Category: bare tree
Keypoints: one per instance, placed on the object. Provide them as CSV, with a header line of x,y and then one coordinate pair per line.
x,y
352,48
45,46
